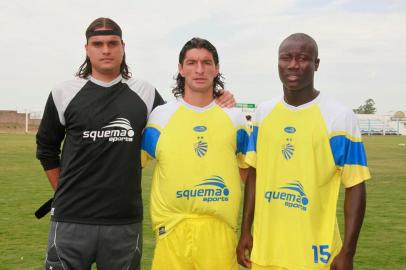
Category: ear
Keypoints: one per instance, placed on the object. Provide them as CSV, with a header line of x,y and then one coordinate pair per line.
x,y
86,49
217,69
180,69
317,63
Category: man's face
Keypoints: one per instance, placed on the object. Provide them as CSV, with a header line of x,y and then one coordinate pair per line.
x,y
199,70
105,53
297,64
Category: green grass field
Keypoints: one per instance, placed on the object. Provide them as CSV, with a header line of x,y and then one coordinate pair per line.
x,y
23,188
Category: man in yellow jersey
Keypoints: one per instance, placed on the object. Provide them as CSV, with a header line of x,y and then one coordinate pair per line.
x,y
303,145
198,147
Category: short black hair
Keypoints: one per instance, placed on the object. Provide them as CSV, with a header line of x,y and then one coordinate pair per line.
x,y
303,37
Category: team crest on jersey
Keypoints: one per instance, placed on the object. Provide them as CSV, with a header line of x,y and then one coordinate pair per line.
x,y
200,146
213,189
292,195
119,130
288,149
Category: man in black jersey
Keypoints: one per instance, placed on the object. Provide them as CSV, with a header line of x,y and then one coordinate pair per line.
x,y
97,209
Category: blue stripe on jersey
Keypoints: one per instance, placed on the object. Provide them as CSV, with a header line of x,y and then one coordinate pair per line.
x,y
252,142
242,141
348,152
149,140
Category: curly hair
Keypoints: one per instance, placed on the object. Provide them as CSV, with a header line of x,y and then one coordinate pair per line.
x,y
85,68
198,43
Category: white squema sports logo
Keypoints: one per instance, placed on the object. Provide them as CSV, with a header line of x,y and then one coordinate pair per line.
x,y
119,130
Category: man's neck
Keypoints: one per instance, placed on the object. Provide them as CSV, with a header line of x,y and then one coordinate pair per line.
x,y
105,77
300,97
198,99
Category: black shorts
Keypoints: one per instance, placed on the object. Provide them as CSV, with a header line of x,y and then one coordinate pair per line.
x,y
77,246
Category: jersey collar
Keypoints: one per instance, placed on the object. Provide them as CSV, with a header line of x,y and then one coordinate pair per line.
x,y
303,106
196,108
105,84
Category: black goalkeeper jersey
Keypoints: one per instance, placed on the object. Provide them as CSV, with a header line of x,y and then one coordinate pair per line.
x,y
101,125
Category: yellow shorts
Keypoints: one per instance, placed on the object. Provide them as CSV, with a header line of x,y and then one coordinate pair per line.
x,y
197,244
259,267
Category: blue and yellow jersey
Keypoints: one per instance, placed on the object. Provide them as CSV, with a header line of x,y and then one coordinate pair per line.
x,y
302,154
198,152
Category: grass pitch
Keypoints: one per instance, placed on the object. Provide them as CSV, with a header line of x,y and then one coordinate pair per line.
x,y
24,187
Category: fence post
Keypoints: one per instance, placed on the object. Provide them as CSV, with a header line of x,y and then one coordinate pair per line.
x,y
26,121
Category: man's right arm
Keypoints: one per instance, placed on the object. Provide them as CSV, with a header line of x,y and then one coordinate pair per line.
x,y
53,177
245,243
49,138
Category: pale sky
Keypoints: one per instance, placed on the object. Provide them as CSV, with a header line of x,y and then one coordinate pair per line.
x,y
361,45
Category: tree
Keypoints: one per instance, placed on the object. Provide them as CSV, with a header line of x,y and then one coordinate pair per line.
x,y
367,108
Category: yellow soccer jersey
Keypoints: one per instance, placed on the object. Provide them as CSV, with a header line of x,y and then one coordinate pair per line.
x,y
198,152
302,154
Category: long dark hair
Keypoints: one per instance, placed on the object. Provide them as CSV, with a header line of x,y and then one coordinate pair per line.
x,y
198,43
86,68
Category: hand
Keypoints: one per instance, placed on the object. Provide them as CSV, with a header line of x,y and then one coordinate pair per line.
x,y
226,99
342,262
244,250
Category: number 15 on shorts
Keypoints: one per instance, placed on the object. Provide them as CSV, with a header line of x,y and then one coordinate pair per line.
x,y
321,254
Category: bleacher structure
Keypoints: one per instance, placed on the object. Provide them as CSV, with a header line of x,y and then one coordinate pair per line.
x,y
375,127
372,124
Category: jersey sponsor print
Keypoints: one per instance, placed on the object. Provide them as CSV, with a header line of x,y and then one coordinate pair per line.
x,y
119,130
292,195
211,189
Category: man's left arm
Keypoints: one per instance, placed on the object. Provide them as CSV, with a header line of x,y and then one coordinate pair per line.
x,y
354,210
158,100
